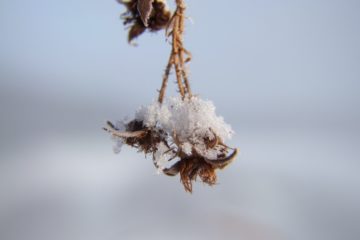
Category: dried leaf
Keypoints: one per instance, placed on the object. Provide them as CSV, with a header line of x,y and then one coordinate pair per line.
x,y
135,31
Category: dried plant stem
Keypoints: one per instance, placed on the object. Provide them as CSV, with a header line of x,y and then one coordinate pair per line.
x,y
177,59
181,9
165,79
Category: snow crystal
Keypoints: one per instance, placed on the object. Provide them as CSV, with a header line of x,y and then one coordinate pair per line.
x,y
161,156
152,114
186,148
186,119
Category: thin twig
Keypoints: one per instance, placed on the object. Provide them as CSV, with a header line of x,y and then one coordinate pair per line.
x,y
175,45
184,73
165,78
177,53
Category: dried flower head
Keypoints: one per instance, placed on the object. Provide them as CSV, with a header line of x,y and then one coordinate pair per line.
x,y
182,134
140,15
183,137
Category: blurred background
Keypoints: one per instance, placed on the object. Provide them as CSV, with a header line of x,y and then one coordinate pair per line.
x,y
284,74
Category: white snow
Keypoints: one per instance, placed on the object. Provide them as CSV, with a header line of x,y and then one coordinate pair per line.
x,y
187,122
161,156
186,148
187,119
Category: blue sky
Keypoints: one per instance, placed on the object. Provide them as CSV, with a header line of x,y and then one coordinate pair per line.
x,y
290,54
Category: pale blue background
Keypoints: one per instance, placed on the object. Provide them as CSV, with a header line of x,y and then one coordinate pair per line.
x,y
284,74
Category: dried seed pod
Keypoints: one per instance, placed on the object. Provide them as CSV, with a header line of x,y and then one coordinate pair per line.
x,y
140,15
148,140
196,165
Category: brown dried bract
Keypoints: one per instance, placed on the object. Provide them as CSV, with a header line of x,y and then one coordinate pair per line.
x,y
144,8
190,168
145,14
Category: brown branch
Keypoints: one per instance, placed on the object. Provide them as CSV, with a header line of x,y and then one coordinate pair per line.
x,y
165,79
175,45
181,9
176,26
184,73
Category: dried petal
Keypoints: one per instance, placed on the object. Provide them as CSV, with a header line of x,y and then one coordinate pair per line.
x,y
222,162
145,7
135,31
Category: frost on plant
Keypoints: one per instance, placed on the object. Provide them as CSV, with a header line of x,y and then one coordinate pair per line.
x,y
182,134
